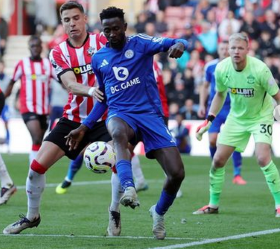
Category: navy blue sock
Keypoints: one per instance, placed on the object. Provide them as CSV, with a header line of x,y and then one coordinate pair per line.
x,y
74,167
212,151
164,202
237,162
124,172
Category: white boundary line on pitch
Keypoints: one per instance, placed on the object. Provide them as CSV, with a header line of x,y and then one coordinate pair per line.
x,y
210,241
88,236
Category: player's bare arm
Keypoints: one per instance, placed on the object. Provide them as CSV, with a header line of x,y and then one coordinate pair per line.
x,y
218,102
70,82
9,88
204,92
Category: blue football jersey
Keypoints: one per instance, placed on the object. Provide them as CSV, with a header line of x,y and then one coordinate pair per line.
x,y
210,77
127,75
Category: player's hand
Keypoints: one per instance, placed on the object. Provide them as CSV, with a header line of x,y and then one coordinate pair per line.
x,y
201,111
176,50
204,127
75,137
96,93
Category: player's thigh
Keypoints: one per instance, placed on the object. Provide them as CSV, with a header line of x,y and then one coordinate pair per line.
x,y
234,134
170,160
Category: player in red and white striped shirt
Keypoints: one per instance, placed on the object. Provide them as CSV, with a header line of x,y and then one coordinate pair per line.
x,y
72,63
35,74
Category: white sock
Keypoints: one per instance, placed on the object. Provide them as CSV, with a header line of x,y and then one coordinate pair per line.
x,y
32,155
5,178
117,193
137,170
35,184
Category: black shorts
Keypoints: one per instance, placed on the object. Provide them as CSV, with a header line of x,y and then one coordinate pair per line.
x,y
64,126
43,119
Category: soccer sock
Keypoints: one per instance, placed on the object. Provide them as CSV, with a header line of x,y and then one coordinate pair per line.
x,y
5,178
7,137
271,174
125,173
117,193
35,184
217,178
137,170
237,162
164,202
212,151
33,153
74,167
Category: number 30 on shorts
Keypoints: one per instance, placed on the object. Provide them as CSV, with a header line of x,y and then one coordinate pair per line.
x,y
266,129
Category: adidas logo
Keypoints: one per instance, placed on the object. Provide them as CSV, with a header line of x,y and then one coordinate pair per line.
x,y
104,63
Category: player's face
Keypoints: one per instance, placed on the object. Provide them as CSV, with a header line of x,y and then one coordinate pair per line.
x,y
114,30
223,51
238,50
35,47
74,23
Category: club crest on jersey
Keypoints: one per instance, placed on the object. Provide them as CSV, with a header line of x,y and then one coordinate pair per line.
x,y
251,79
90,51
129,54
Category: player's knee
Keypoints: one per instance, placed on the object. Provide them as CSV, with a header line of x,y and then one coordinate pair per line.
x,y
219,161
37,167
263,160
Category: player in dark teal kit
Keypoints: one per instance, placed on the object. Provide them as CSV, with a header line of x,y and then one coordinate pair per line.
x,y
124,69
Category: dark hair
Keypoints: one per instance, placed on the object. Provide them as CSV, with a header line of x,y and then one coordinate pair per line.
x,y
34,37
111,12
71,5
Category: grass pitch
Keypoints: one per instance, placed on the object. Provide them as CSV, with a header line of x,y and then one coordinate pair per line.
x,y
78,219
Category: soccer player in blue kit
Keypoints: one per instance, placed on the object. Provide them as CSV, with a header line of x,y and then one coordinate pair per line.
x,y
215,128
124,69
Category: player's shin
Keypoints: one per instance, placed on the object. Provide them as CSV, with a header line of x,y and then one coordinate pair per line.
x,y
35,184
217,178
272,177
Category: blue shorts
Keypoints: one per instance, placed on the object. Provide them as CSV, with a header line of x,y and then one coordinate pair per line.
x,y
5,115
218,121
148,128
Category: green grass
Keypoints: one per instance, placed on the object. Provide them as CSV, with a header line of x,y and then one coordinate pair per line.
x,y
79,218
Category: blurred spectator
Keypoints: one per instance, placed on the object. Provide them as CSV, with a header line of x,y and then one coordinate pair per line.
x,y
208,38
46,16
161,25
179,94
221,10
188,110
190,37
58,37
276,41
150,29
270,23
202,7
266,46
30,8
182,135
250,26
141,22
4,31
228,26
173,110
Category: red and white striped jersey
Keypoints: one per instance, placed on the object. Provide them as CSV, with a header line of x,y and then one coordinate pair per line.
x,y
35,78
161,88
65,57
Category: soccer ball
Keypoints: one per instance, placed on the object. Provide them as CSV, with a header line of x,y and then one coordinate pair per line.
x,y
99,157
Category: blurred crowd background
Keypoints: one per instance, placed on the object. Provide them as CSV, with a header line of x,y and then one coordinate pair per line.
x,y
203,23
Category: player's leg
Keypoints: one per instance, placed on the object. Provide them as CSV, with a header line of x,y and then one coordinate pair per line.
x,y
270,171
114,226
139,178
121,134
48,154
216,178
7,186
170,160
37,126
237,164
73,168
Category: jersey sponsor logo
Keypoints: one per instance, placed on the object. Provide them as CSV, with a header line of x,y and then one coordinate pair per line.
x,y
125,85
121,73
251,79
83,69
42,77
129,54
246,92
